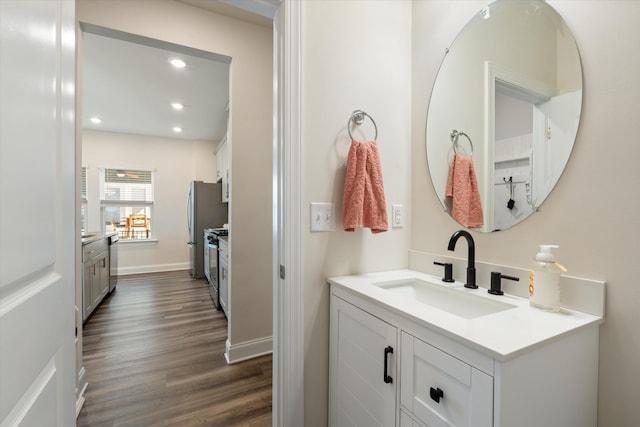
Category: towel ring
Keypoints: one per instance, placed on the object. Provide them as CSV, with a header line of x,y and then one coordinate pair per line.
x,y
358,117
454,139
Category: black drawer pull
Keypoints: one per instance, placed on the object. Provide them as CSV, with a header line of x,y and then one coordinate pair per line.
x,y
436,394
387,378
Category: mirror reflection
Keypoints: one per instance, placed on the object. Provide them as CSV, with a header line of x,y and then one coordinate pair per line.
x,y
503,114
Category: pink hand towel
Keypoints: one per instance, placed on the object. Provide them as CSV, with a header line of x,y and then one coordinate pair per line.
x,y
462,187
363,203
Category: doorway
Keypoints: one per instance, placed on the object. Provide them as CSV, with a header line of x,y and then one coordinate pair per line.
x,y
240,202
519,126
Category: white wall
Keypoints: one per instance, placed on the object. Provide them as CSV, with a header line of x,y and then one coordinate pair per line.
x,y
251,76
593,211
356,55
176,162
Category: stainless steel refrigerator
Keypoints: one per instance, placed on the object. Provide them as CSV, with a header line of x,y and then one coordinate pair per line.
x,y
204,210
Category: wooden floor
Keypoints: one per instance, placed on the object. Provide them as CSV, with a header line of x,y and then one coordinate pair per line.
x,y
154,355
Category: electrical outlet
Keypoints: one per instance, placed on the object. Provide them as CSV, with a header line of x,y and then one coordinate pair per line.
x,y
323,217
397,216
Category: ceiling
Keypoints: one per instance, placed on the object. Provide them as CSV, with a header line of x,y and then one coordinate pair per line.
x,y
129,83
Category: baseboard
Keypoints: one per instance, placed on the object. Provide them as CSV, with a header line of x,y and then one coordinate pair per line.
x,y
82,384
157,268
235,353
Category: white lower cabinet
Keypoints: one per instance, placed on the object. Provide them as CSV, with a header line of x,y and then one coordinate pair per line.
x,y
441,390
223,282
95,275
433,380
407,421
363,380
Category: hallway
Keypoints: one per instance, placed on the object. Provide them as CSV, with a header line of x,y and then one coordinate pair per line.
x,y
154,356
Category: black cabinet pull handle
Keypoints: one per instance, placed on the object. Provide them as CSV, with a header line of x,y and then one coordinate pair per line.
x,y
436,394
387,377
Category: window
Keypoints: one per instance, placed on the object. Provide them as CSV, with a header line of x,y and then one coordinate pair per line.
x,y
127,202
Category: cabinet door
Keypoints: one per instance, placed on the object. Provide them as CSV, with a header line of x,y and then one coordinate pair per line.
x,y
362,384
87,283
221,154
219,167
223,168
99,274
104,275
224,286
441,390
95,282
407,421
225,185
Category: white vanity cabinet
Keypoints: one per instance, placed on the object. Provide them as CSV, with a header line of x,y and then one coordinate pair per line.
x,y
363,383
440,379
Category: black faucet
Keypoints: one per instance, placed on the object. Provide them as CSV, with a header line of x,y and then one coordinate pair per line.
x,y
496,282
471,258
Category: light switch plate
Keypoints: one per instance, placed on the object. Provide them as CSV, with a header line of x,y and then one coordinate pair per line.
x,y
397,216
323,217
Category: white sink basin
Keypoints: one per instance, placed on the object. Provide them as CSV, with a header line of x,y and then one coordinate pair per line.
x,y
455,301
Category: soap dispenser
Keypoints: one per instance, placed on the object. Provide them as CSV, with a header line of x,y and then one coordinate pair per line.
x,y
544,280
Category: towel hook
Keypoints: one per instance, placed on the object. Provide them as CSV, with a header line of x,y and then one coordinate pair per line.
x,y
454,139
358,117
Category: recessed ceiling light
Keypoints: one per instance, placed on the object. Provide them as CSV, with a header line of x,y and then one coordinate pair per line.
x,y
177,129
95,120
178,63
177,106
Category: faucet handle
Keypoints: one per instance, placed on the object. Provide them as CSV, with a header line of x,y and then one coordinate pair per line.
x,y
496,282
448,271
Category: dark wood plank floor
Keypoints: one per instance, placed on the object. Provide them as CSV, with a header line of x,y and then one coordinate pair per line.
x,y
154,355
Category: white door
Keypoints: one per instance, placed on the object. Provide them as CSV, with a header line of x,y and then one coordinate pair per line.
x,y
37,218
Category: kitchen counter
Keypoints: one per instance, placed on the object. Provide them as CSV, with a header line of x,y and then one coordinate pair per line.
x,y
503,335
95,236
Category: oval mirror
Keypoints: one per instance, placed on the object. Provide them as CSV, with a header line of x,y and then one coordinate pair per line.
x,y
505,106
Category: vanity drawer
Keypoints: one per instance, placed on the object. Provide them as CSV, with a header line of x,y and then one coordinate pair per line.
x,y
441,390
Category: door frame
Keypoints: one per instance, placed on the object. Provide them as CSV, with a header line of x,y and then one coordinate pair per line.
x,y
288,315
526,88
288,320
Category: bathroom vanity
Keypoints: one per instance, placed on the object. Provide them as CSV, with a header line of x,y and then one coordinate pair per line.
x,y
409,350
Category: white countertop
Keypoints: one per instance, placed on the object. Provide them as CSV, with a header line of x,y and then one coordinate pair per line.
x,y
502,335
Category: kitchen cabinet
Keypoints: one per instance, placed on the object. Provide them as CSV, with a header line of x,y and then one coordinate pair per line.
x,y
95,275
223,168
223,248
362,368
443,380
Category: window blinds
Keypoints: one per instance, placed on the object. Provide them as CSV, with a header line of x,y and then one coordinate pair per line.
x,y
128,185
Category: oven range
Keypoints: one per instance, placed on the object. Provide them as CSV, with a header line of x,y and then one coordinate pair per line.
x,y
212,261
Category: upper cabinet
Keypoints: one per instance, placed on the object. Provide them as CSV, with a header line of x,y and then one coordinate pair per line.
x,y
223,167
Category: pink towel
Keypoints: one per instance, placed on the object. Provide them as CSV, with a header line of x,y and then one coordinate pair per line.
x,y
363,203
462,187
